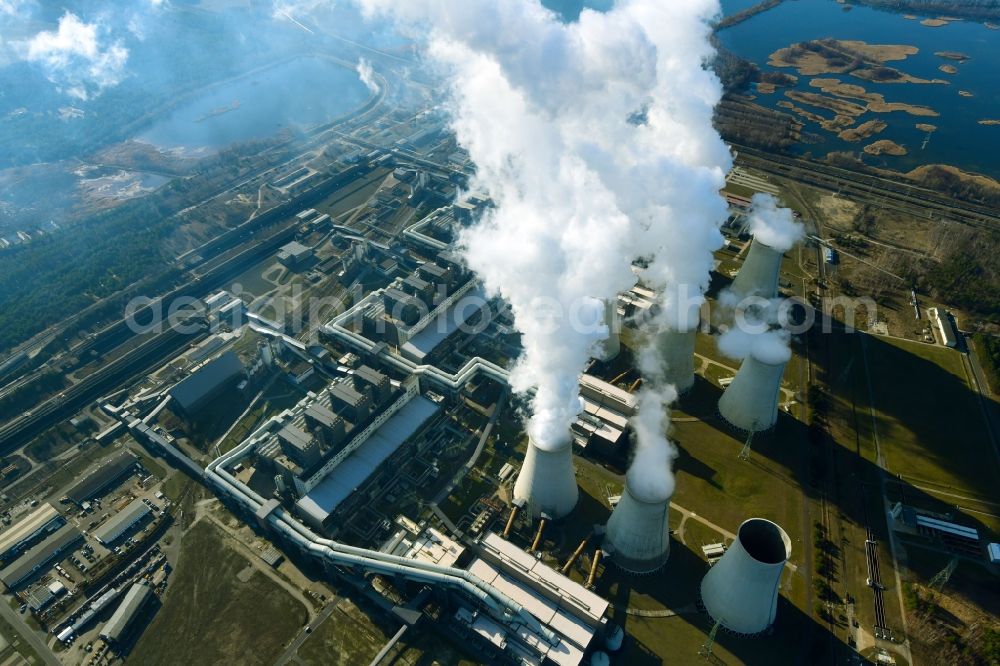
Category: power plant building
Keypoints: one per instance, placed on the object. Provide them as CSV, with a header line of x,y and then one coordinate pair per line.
x,y
570,614
346,479
196,390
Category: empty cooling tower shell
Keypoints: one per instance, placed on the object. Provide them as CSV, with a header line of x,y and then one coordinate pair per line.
x,y
750,402
547,482
740,591
638,533
759,274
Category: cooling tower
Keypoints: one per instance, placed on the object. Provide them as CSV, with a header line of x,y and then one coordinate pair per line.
x,y
740,591
547,483
750,402
611,345
637,534
759,274
677,353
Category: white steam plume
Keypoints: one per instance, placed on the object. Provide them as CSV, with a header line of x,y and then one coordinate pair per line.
x,y
769,346
76,56
649,475
595,140
367,75
771,225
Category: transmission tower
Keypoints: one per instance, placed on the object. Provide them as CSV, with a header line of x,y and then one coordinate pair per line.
x,y
706,649
745,451
941,577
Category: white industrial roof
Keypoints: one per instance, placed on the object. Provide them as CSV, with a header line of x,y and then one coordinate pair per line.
x,y
348,475
950,528
26,527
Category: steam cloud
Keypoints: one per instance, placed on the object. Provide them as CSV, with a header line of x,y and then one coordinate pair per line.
x,y
771,225
594,139
770,346
367,75
77,57
649,474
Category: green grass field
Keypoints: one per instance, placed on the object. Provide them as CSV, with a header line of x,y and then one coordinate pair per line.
x,y
210,617
929,423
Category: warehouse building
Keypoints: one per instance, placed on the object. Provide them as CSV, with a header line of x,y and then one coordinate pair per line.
x,y
197,389
29,530
120,523
36,559
117,626
97,482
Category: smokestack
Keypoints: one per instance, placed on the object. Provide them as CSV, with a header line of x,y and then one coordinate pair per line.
x,y
759,274
638,532
611,345
750,402
740,591
547,482
676,349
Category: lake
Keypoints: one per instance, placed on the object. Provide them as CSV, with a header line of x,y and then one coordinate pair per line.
x,y
959,139
301,92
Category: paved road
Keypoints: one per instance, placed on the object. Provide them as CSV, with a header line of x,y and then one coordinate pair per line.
x,y
292,651
28,634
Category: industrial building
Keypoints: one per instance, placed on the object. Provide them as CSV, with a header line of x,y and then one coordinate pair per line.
x,y
97,482
120,523
294,254
604,394
29,530
39,556
943,327
200,387
570,616
356,406
347,479
126,613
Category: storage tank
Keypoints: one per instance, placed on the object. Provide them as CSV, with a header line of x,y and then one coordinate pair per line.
x,y
750,402
740,591
547,483
638,534
759,274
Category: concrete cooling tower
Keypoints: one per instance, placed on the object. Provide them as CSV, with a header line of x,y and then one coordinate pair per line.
x,y
750,402
676,350
740,591
638,535
610,346
546,482
759,274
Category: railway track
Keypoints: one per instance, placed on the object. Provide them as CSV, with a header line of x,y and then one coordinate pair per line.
x,y
906,197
